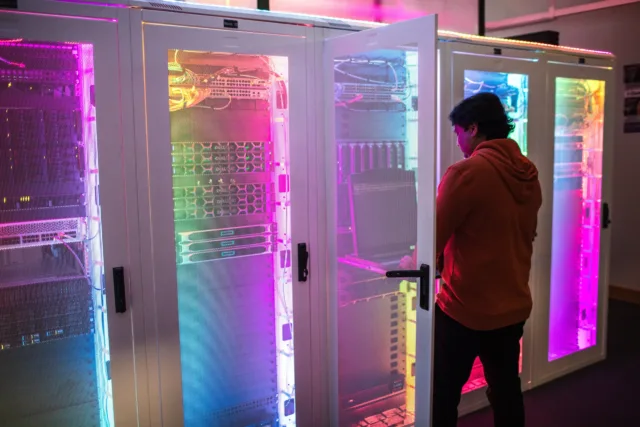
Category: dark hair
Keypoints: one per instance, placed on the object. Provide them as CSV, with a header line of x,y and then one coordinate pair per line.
x,y
486,111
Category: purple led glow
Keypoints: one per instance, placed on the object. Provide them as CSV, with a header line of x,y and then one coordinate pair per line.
x,y
573,318
15,64
91,3
57,175
54,15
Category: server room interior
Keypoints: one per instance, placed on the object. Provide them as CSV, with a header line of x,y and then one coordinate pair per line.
x,y
231,216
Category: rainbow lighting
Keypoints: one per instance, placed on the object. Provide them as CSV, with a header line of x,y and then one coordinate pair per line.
x,y
51,257
231,194
577,193
522,43
376,145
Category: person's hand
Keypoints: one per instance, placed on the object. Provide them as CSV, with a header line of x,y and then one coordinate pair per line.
x,y
406,263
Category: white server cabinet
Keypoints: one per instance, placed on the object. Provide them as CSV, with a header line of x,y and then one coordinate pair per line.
x,y
226,115
69,298
223,138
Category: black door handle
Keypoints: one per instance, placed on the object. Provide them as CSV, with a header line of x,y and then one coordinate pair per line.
x,y
303,262
606,221
423,275
119,291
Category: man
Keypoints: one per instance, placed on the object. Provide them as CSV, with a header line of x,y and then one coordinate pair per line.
x,y
486,216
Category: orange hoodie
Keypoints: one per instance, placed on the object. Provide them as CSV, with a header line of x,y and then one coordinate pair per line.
x,y
487,208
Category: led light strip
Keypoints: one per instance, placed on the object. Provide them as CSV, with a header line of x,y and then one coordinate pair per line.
x,y
568,49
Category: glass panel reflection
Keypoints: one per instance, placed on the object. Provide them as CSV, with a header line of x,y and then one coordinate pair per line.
x,y
230,160
577,192
376,107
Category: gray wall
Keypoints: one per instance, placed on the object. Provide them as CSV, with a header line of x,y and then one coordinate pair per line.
x,y
616,30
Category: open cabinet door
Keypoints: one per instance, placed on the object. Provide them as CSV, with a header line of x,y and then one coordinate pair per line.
x,y
381,149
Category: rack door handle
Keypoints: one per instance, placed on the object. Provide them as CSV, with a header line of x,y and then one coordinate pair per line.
x,y
119,291
606,220
423,275
303,262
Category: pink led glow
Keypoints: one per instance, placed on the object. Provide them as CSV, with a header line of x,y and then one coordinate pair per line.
x,y
383,13
363,13
55,15
90,3
573,319
19,42
52,69
15,64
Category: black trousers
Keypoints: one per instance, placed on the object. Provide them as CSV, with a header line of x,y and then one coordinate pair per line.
x,y
455,350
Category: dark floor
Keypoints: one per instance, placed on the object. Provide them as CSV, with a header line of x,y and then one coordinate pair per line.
x,y
603,395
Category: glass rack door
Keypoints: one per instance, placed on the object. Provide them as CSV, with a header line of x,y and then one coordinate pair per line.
x,y
60,141
228,162
577,196
381,109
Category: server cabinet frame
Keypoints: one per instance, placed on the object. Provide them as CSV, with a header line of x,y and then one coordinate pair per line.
x,y
210,31
107,30
389,37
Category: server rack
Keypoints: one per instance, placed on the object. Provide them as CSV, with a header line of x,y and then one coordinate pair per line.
x,y
573,312
223,113
66,346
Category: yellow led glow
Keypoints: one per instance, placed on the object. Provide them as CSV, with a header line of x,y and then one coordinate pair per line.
x,y
410,291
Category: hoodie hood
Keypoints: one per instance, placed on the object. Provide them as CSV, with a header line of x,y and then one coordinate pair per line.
x,y
518,173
